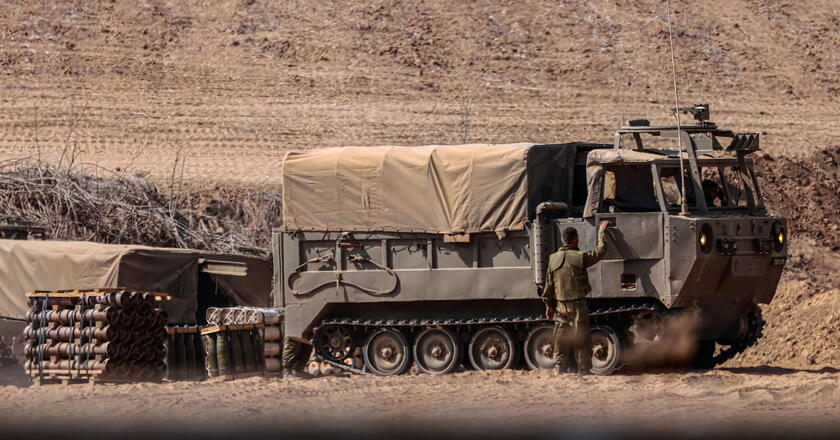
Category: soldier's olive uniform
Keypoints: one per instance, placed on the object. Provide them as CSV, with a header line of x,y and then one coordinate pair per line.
x,y
295,354
565,291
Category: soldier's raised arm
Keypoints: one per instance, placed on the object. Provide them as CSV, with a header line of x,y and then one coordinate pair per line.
x,y
595,255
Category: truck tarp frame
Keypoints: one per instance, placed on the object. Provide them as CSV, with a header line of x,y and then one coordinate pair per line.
x,y
456,189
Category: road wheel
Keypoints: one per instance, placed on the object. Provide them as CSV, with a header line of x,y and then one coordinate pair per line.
x,y
492,348
387,352
607,350
437,350
334,342
538,348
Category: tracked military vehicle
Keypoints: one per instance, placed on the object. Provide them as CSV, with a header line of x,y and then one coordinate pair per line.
x,y
434,255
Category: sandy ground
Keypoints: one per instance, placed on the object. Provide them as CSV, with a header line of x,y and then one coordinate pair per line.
x,y
513,398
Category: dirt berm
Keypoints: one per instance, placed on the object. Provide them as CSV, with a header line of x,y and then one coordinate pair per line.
x,y
803,321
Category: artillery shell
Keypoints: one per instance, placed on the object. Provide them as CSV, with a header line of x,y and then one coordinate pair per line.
x,y
272,364
259,358
272,333
211,360
271,349
190,359
247,350
223,354
238,360
200,355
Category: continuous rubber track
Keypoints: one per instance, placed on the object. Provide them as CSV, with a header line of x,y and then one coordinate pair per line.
x,y
755,330
754,333
595,312
420,322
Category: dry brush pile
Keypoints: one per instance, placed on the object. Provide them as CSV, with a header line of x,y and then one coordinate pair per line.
x,y
74,205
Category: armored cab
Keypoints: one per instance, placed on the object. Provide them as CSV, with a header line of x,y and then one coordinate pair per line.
x,y
435,255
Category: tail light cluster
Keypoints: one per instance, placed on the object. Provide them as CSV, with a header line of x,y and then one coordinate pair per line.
x,y
726,246
763,246
706,238
779,236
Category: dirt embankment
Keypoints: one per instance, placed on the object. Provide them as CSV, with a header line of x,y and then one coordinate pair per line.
x,y
807,192
803,320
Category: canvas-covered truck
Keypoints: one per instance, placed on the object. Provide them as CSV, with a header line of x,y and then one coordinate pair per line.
x,y
435,255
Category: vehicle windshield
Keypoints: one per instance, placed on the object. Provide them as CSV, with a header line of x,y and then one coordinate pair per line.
x,y
724,185
629,188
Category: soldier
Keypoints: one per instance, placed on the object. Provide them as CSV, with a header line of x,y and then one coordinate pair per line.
x,y
565,300
295,356
712,191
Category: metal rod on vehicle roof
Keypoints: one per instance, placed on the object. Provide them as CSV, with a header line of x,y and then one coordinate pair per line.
x,y
684,206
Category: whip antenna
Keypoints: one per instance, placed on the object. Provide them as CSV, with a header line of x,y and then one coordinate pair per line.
x,y
676,114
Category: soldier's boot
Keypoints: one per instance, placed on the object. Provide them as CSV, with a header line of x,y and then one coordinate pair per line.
x,y
583,356
295,374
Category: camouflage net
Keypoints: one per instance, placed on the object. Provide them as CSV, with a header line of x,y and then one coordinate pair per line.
x,y
74,205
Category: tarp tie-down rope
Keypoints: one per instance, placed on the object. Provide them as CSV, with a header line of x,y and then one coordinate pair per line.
x,y
339,280
70,346
42,336
82,304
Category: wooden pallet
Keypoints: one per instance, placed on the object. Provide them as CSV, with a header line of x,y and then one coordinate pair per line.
x,y
75,293
229,327
198,378
65,377
227,377
176,330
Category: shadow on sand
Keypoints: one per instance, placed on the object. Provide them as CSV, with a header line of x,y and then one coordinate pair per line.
x,y
768,370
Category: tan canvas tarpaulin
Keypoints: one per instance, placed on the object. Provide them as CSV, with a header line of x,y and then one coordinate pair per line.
x,y
595,162
435,189
27,265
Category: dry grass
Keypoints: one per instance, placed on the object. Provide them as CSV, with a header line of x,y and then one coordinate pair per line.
x,y
73,205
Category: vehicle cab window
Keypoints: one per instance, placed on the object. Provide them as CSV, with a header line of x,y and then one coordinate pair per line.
x,y
724,186
629,188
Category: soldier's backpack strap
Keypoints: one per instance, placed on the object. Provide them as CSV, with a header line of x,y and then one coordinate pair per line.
x,y
556,260
575,259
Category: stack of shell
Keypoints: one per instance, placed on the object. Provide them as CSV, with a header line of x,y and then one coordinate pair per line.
x,y
117,335
185,353
232,350
271,335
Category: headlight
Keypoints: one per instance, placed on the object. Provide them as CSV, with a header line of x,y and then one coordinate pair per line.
x,y
706,238
779,236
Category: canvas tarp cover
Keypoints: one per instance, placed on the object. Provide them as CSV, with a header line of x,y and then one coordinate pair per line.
x,y
596,160
27,265
433,189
